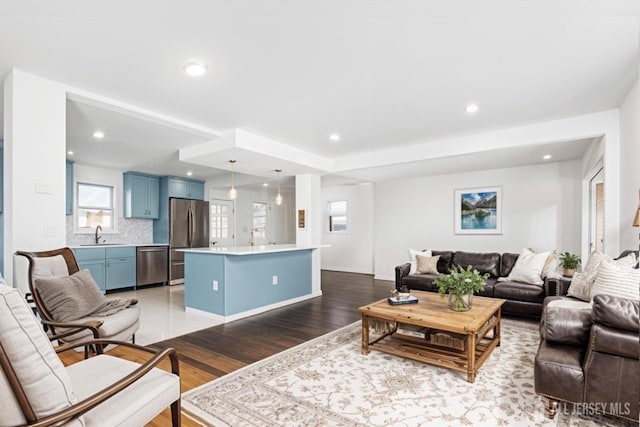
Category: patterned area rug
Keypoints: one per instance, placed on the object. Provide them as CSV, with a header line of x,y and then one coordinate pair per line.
x,y
328,382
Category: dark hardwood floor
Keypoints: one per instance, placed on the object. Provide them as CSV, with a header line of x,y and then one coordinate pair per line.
x,y
211,353
254,338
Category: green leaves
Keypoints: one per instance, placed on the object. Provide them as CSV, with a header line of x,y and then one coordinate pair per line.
x,y
569,260
461,281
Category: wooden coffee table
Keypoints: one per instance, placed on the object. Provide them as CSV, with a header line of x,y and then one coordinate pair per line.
x,y
455,340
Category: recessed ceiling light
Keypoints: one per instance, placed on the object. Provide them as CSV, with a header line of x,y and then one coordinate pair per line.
x,y
98,134
194,69
546,156
334,137
70,152
189,173
266,184
152,165
471,108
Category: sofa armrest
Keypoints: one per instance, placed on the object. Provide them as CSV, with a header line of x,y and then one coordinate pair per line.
x,y
563,323
617,312
556,286
402,271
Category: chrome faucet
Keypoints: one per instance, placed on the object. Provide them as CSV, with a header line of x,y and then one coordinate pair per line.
x,y
98,236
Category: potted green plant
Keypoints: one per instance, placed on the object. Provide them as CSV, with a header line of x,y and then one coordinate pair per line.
x,y
569,263
460,284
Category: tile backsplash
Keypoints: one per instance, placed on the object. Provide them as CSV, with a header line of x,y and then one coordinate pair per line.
x,y
129,231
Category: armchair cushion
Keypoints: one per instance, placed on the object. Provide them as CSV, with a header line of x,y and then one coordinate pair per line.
x,y
566,321
136,405
44,379
54,266
618,281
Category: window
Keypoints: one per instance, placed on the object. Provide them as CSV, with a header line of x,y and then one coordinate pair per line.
x,y
260,220
221,222
337,214
95,206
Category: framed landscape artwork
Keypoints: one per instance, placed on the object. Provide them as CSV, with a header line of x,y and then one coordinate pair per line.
x,y
478,211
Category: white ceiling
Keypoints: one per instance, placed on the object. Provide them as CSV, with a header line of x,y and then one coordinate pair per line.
x,y
381,73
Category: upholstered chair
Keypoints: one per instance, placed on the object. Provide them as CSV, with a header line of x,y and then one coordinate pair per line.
x,y
36,389
61,262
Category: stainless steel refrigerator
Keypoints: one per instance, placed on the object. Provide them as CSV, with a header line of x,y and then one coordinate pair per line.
x,y
188,228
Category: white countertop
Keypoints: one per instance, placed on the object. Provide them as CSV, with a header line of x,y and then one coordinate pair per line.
x,y
251,250
115,245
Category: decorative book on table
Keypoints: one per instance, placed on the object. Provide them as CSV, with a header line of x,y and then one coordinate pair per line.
x,y
399,301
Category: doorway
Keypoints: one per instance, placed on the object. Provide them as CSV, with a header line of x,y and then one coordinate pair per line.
x,y
596,212
221,223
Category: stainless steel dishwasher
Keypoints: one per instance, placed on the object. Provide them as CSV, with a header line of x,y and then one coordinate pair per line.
x,y
152,265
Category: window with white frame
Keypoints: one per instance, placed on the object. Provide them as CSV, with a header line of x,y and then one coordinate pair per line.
x,y
337,216
260,220
95,206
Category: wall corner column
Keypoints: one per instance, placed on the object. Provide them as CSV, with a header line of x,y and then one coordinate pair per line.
x,y
308,199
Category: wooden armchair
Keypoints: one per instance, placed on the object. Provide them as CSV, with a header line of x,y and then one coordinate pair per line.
x,y
37,390
62,262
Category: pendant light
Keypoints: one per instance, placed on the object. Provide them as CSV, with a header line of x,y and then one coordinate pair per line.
x,y
233,193
279,196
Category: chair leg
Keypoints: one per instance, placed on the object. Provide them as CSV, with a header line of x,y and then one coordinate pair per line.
x,y
551,408
176,413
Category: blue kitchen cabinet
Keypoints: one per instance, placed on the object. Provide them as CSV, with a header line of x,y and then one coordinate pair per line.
x,y
186,188
93,259
111,268
141,195
120,267
69,188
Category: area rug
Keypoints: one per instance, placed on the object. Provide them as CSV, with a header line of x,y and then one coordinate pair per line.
x,y
328,382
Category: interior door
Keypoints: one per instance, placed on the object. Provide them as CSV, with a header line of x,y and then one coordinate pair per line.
x,y
221,222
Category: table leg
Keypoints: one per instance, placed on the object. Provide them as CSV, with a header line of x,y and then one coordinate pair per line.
x,y
496,329
365,334
471,358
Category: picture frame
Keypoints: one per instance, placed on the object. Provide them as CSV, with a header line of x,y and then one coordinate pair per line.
x,y
478,210
302,218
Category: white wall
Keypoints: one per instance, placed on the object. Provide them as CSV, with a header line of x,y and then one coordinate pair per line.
x,y
34,169
629,166
541,209
351,251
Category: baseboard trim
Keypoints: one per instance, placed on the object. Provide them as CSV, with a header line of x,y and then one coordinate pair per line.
x,y
346,270
385,277
252,312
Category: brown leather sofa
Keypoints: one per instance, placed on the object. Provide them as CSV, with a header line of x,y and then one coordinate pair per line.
x,y
590,356
522,299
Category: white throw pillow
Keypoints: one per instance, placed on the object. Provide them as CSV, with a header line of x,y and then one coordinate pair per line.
x,y
427,264
412,258
528,268
552,268
582,282
617,281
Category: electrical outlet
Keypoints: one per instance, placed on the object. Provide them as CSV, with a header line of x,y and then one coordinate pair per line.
x,y
274,280
215,285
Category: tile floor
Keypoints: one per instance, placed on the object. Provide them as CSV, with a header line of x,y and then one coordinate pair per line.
x,y
163,315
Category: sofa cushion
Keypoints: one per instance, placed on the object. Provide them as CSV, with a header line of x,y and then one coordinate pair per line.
x,y
507,261
519,291
488,288
444,263
582,282
483,262
420,282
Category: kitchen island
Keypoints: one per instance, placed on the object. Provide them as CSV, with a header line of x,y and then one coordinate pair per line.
x,y
235,282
